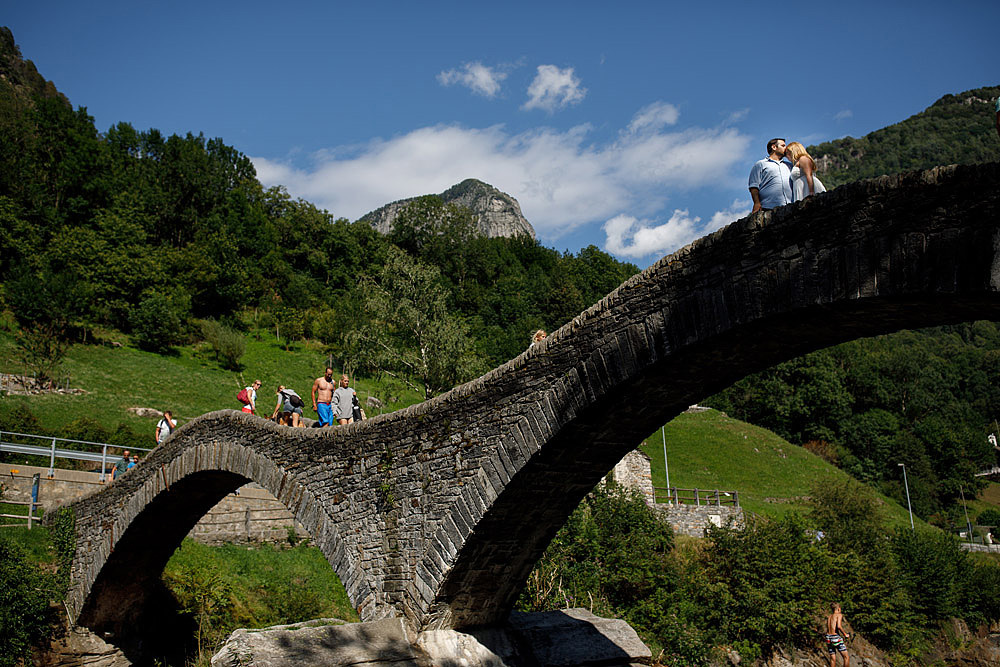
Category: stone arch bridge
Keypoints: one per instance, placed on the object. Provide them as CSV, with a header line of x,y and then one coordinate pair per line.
x,y
438,512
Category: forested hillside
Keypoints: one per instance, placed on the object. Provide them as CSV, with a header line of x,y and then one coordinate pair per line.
x,y
172,238
957,129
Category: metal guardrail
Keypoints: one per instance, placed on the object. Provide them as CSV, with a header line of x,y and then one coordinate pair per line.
x,y
673,495
53,452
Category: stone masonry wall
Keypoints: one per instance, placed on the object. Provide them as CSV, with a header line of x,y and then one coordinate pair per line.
x,y
633,472
693,520
251,514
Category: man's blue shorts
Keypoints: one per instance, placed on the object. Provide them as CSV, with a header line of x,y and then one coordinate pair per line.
x,y
325,414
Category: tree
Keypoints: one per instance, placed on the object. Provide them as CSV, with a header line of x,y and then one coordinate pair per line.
x,y
45,304
410,335
155,325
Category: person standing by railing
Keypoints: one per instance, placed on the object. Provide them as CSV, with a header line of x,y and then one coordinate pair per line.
x,y
120,466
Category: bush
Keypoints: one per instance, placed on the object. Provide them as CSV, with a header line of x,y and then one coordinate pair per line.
x,y
227,344
25,616
612,550
931,569
989,517
849,513
155,326
765,582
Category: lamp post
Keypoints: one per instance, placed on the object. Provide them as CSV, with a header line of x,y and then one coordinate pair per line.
x,y
666,468
908,506
968,524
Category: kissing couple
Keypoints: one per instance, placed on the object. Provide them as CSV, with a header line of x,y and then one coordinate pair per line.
x,y
787,174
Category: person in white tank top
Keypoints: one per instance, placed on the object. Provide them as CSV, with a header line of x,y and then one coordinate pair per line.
x,y
803,177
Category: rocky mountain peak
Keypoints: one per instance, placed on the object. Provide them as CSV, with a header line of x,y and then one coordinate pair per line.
x,y
497,213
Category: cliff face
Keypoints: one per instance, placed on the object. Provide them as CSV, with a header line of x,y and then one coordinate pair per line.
x,y
19,79
497,213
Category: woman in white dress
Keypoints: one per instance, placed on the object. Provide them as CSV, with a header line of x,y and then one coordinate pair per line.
x,y
804,179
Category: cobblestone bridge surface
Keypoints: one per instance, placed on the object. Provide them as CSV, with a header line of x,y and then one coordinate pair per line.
x,y
437,512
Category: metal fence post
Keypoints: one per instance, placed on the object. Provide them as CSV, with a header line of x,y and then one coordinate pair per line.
x,y
104,462
52,460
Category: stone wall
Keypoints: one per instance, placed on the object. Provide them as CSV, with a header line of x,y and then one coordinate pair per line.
x,y
694,519
633,472
251,514
65,486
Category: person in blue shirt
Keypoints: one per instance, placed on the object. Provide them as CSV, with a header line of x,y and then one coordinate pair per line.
x,y
770,178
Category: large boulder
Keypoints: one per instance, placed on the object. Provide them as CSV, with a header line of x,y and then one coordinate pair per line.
x,y
567,638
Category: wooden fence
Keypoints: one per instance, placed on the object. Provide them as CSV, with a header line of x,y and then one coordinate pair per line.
x,y
30,516
676,496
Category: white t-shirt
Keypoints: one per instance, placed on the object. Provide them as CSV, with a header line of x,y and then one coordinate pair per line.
x,y
166,428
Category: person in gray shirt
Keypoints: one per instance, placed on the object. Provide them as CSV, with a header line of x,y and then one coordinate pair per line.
x,y
343,402
288,411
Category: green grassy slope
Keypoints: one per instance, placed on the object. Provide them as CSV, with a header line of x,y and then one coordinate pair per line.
x,y
190,383
709,450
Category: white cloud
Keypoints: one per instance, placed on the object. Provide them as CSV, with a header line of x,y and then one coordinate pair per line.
x,y
475,76
843,115
562,178
554,89
737,116
630,237
653,117
738,209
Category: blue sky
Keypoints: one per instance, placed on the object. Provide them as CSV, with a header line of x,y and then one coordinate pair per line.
x,y
631,126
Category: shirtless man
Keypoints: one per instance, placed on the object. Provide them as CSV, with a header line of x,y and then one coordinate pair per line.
x,y
322,394
835,636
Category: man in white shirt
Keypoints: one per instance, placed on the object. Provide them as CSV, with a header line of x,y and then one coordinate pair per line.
x,y
165,427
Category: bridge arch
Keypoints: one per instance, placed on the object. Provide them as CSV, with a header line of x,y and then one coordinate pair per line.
x,y
438,512
136,524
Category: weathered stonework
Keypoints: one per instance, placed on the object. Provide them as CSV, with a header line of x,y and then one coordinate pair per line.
x,y
437,513
694,520
633,472
250,514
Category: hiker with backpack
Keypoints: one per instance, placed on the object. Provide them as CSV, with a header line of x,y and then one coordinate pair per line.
x,y
288,411
248,397
165,427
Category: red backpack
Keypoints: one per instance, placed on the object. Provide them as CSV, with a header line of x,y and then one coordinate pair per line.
x,y
243,397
